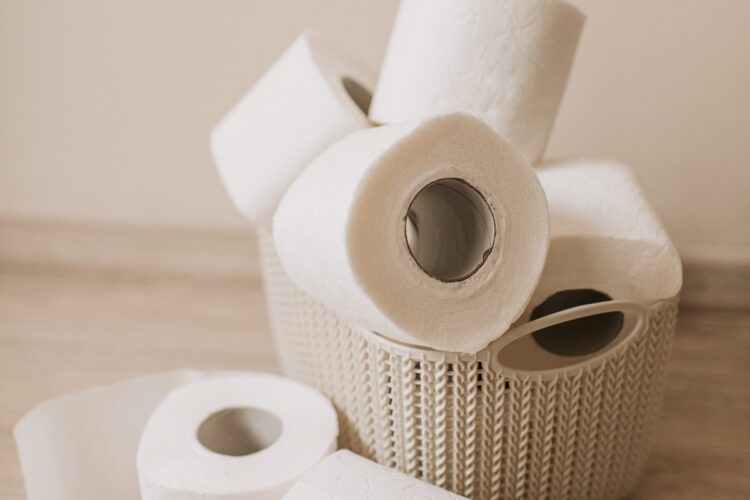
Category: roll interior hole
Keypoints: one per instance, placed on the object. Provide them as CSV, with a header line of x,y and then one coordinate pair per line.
x,y
449,230
239,431
359,94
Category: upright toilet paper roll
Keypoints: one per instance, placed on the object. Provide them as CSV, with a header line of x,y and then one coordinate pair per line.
x,y
347,476
606,243
313,95
83,446
239,438
507,61
465,269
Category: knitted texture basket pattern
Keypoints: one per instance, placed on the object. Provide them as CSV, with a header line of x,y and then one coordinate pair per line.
x,y
456,423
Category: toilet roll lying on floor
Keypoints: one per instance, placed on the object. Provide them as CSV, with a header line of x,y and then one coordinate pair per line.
x,y
604,235
244,437
83,446
347,476
507,61
313,95
464,271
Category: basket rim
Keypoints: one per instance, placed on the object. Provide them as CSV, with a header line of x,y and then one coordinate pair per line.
x,y
637,312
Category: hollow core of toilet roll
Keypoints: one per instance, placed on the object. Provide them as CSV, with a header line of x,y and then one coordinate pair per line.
x,y
359,94
239,431
578,337
449,229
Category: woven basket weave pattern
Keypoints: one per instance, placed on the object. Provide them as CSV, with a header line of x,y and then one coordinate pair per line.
x,y
477,432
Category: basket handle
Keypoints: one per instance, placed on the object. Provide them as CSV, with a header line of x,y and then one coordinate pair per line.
x,y
625,306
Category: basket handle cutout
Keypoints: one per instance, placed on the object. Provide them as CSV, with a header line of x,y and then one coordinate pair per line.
x,y
517,351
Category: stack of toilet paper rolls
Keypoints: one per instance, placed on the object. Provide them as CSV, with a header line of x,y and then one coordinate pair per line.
x,y
183,434
485,321
191,434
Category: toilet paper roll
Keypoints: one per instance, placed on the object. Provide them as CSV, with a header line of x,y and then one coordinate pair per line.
x,y
606,243
313,95
83,446
604,235
461,274
507,61
239,438
347,476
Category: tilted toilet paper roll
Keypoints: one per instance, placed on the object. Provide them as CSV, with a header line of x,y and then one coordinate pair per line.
x,y
506,61
347,476
246,437
604,234
83,446
606,243
465,269
313,95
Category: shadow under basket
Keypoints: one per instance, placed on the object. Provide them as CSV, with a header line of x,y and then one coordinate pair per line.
x,y
477,424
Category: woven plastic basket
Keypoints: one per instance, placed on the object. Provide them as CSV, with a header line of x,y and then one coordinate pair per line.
x,y
472,423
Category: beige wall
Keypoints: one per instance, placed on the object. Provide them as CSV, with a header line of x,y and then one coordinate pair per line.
x,y
105,106
664,85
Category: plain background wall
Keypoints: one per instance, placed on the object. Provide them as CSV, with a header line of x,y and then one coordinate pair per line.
x,y
105,107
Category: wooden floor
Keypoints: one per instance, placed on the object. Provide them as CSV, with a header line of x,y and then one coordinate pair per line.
x,y
62,331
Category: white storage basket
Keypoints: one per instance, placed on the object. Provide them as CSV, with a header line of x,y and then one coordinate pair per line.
x,y
472,423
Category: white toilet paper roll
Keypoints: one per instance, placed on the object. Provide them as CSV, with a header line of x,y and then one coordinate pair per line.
x,y
83,446
239,438
461,274
606,243
313,95
604,234
507,61
347,476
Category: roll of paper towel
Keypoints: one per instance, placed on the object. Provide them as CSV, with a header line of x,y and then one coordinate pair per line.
x,y
83,446
507,61
347,476
461,274
313,95
242,438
